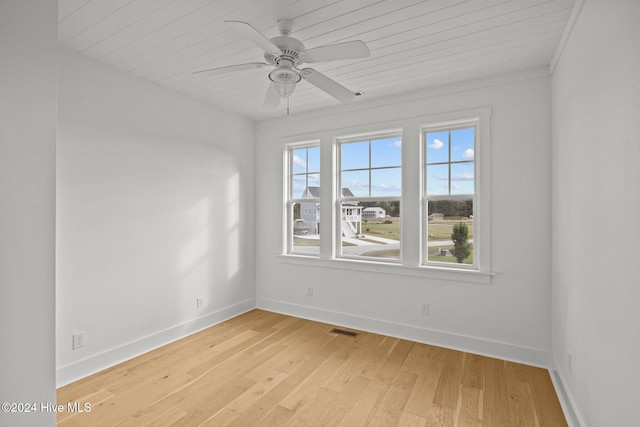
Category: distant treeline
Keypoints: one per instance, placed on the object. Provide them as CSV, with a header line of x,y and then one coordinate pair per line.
x,y
457,208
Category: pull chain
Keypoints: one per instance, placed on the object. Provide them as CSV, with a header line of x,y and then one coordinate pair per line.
x,y
287,105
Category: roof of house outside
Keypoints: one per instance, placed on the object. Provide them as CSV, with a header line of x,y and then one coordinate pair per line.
x,y
315,192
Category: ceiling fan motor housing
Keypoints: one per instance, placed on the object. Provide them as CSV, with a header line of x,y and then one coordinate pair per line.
x,y
292,50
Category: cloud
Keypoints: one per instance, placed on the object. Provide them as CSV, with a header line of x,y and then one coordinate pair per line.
x,y
386,187
468,154
437,144
355,184
462,177
314,179
298,161
397,143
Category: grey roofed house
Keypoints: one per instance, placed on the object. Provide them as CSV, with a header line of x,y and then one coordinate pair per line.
x,y
314,193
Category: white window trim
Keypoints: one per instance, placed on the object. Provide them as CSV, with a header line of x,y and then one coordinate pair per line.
x,y
411,265
289,200
362,137
477,248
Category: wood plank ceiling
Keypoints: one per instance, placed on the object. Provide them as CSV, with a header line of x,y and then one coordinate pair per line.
x,y
414,44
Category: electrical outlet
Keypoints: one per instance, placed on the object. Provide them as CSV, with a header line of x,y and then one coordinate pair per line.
x,y
424,308
310,291
199,302
78,341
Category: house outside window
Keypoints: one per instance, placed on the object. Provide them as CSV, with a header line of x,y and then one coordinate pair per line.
x,y
370,169
444,161
303,199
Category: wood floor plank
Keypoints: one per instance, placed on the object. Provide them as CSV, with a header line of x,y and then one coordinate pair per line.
x,y
420,401
359,354
223,417
390,408
439,416
546,404
309,388
361,412
268,369
449,381
255,393
521,409
411,420
496,402
469,411
254,414
345,399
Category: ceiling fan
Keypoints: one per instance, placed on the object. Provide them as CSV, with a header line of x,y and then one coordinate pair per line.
x,y
287,54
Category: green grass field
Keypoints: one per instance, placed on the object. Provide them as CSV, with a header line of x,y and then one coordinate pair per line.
x,y
436,257
443,230
438,231
388,231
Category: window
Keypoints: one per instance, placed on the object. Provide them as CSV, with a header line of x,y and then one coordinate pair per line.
x,y
370,169
303,199
414,200
450,194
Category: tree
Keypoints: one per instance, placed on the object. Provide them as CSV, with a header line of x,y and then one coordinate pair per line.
x,y
460,237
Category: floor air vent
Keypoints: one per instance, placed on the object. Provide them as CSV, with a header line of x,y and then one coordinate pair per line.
x,y
343,332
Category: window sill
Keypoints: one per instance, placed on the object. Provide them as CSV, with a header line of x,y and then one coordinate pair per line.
x,y
440,273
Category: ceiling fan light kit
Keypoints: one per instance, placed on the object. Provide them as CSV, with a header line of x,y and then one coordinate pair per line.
x,y
285,78
286,54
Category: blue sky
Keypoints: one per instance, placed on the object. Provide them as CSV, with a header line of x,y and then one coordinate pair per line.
x,y
450,146
386,153
443,174
306,169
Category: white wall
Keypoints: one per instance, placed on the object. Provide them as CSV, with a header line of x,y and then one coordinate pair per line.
x,y
596,201
155,207
28,52
510,317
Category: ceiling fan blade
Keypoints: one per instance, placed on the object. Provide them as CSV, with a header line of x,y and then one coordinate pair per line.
x,y
272,99
335,52
328,85
231,68
249,32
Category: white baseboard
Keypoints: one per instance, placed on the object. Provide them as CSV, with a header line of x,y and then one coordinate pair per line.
x,y
571,413
83,368
505,351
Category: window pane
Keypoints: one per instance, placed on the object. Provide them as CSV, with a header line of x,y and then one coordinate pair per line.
x,y
313,160
355,155
438,179
299,160
357,182
462,144
437,147
306,228
371,229
442,244
298,186
314,184
386,152
462,178
386,182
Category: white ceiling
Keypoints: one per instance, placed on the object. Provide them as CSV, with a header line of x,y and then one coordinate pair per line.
x,y
414,44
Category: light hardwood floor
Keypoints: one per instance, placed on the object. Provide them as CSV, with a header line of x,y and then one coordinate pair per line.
x,y
269,369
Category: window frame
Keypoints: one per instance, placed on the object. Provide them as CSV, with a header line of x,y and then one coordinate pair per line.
x,y
290,200
450,126
413,207
341,198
